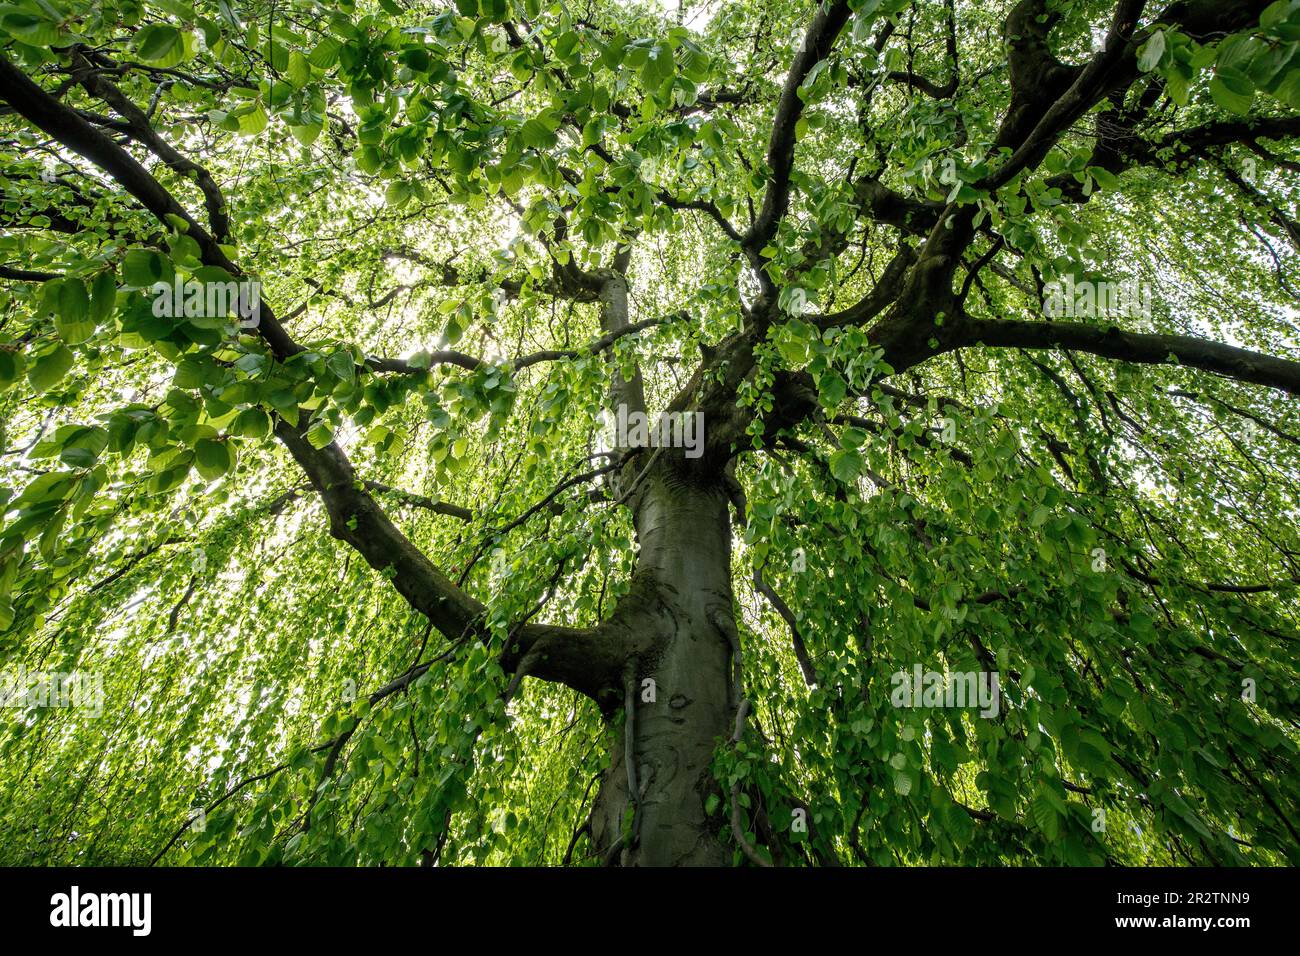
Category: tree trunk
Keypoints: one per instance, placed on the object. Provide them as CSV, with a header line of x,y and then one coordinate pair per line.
x,y
684,532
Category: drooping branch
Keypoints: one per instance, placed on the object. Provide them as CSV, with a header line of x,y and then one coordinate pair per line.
x,y
581,659
1146,348
796,638
874,302
63,124
139,129
737,830
356,519
566,654
472,363
937,91
402,497
702,205
27,275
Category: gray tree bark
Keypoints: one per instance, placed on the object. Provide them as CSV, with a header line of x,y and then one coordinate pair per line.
x,y
684,579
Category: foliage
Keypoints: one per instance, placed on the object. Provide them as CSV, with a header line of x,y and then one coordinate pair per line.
x,y
423,191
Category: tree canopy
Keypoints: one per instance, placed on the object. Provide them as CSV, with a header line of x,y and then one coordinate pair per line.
x,y
989,313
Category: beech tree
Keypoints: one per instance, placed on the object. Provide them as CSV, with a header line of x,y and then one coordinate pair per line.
x,y
987,316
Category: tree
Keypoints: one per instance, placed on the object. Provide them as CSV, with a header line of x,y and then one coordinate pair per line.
x,y
525,431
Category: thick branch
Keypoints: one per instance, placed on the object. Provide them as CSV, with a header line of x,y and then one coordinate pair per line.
x,y
1142,347
817,43
63,124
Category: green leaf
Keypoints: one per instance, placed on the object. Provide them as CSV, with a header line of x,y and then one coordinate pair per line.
x,y
852,437
1104,178
298,70
325,54
83,446
142,268
252,121
658,68
213,458
535,134
103,297
251,423
846,465
11,366
72,320
160,44
320,434
1288,89
1044,815
1233,92
32,29
1149,53
306,135
398,193
49,369
903,783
